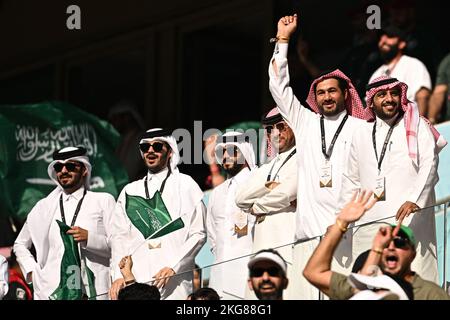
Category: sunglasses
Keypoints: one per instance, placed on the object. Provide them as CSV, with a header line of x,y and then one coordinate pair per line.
x,y
281,126
157,146
70,166
231,150
401,243
272,271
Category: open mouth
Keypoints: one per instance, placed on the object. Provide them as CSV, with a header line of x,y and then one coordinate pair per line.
x,y
389,107
391,261
267,288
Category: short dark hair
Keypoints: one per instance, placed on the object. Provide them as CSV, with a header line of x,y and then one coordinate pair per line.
x,y
205,294
139,291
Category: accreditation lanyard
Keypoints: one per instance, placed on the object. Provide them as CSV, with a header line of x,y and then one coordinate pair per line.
x,y
322,132
284,162
77,210
163,184
386,141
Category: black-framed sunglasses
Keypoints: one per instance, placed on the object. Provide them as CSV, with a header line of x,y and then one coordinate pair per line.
x,y
231,150
157,146
272,271
401,243
70,166
281,126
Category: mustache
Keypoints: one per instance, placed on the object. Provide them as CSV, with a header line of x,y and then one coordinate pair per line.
x,y
394,104
151,154
264,282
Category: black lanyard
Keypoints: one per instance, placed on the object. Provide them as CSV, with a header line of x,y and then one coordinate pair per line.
x,y
163,184
386,141
284,162
77,210
322,132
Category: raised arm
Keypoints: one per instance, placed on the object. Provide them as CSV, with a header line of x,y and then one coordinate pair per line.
x,y
318,269
290,108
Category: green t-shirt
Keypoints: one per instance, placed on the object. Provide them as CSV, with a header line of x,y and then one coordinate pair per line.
x,y
427,290
340,289
443,77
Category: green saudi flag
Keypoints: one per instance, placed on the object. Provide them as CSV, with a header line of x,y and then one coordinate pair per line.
x,y
150,216
70,282
29,134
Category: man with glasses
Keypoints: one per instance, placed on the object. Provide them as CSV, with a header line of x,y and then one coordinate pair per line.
x,y
230,230
164,259
70,232
323,134
394,249
270,193
396,156
267,275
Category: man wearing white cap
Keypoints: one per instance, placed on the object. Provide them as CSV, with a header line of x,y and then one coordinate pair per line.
x,y
230,230
322,134
70,232
267,275
270,193
165,260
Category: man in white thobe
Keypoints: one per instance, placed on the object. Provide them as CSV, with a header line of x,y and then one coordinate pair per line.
x,y
407,69
270,194
230,230
168,260
87,214
396,157
323,139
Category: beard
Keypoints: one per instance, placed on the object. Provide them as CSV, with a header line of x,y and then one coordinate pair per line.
x,y
75,180
339,107
388,56
387,115
233,169
274,295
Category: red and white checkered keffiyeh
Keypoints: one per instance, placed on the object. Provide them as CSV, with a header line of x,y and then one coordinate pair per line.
x,y
353,103
411,116
270,148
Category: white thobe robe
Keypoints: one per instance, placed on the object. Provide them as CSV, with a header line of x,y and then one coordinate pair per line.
x,y
316,206
404,182
42,230
176,250
229,279
278,227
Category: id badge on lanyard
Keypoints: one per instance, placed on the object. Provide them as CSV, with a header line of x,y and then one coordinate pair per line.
x,y
325,173
240,223
380,188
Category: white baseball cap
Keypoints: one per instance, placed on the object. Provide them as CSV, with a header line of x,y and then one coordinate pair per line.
x,y
270,255
363,282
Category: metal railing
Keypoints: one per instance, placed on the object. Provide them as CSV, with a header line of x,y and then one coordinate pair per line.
x,y
444,203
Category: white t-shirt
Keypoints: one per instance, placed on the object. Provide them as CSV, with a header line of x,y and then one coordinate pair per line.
x,y
408,70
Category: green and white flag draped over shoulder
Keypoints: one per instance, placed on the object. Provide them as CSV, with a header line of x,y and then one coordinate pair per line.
x,y
29,134
150,216
72,271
